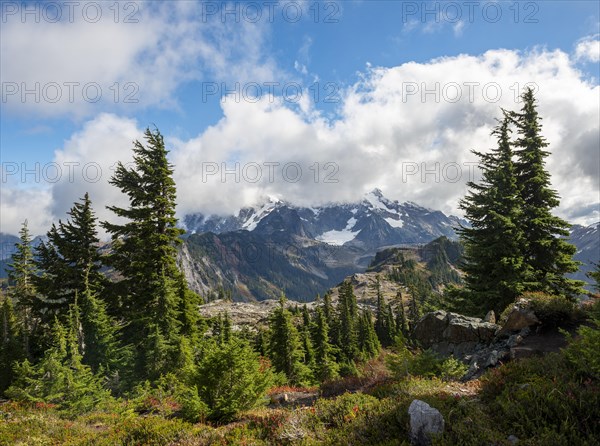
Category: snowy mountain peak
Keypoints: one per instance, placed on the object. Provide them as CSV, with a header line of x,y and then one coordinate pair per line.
x,y
370,223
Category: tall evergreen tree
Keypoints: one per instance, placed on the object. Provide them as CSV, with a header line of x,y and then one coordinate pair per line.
x,y
69,261
70,265
145,252
545,253
325,366
494,269
385,325
348,318
414,309
285,348
21,274
330,317
368,343
11,348
401,322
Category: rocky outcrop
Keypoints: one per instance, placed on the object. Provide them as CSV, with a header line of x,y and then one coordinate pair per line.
x,y
482,344
518,318
424,421
452,333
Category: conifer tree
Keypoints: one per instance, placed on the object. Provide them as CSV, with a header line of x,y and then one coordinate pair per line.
x,y
305,334
385,325
145,252
348,318
495,272
226,328
414,310
21,273
60,377
548,256
330,317
285,348
401,322
368,343
11,348
70,266
324,365
69,261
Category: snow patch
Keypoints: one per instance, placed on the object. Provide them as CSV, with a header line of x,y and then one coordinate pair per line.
x,y
338,238
395,223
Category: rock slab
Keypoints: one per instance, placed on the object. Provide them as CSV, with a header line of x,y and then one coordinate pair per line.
x,y
424,421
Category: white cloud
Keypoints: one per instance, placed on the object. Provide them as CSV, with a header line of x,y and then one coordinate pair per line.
x,y
381,131
588,49
458,28
124,66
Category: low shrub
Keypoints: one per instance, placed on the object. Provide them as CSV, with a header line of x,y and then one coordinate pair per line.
x,y
551,310
169,397
583,352
425,363
540,397
338,411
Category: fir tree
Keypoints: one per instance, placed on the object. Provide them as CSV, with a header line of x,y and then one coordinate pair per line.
x,y
545,253
60,377
145,252
385,325
348,318
329,314
21,273
414,310
325,366
494,269
226,328
232,378
285,348
70,266
69,261
401,322
368,343
11,347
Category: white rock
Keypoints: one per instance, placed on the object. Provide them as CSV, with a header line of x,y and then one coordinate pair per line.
x,y
424,421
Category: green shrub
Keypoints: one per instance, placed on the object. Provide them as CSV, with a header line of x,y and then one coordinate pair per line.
x,y
232,378
583,353
452,369
339,411
348,369
60,379
425,363
541,397
153,431
551,310
169,397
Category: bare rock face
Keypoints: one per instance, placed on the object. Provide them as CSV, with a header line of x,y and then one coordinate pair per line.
x,y
424,421
452,333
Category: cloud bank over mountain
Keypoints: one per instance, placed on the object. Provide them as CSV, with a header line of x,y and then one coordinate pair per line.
x,y
407,129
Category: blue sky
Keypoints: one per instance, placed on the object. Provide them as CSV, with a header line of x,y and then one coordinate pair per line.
x,y
353,51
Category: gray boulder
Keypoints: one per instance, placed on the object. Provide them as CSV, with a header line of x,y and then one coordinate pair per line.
x,y
452,333
424,421
490,317
519,317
